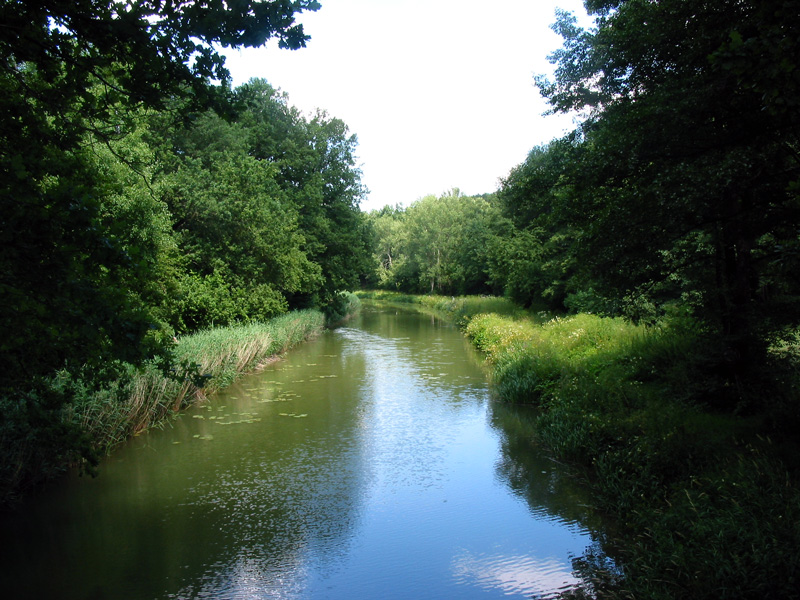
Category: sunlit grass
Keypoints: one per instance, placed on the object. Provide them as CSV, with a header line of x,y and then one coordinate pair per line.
x,y
459,308
703,505
202,363
706,511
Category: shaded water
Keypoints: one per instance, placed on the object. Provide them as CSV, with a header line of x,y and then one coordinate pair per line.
x,y
370,463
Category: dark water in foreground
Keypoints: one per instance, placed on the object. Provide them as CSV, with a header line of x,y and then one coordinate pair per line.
x,y
370,463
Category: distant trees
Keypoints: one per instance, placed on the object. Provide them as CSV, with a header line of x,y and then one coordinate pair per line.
x,y
436,245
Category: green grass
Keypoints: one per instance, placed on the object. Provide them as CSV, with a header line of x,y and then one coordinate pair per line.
x,y
460,309
701,504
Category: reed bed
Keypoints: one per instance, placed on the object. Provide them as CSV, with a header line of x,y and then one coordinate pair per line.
x,y
703,507
201,364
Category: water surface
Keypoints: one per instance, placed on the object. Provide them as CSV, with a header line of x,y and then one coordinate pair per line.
x,y
369,463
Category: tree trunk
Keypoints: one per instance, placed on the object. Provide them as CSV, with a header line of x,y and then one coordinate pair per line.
x,y
736,285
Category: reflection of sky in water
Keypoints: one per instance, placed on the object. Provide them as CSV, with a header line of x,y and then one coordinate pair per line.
x,y
393,484
518,575
431,519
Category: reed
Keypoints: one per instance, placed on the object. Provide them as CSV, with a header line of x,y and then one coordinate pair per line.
x,y
201,364
703,507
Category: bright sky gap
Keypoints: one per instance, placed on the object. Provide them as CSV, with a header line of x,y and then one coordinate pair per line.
x,y
440,93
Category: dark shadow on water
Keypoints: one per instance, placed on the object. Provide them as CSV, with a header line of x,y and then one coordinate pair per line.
x,y
554,488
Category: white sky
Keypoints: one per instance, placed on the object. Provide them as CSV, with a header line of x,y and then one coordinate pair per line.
x,y
439,92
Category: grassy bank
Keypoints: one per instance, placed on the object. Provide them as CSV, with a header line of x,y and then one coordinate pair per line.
x,y
459,309
139,398
701,503
705,508
202,363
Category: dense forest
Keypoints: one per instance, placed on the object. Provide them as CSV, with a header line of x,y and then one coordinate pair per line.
x,y
143,199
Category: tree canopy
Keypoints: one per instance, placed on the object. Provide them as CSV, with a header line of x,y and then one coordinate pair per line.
x,y
684,176
142,198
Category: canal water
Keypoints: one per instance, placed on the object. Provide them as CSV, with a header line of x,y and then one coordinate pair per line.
x,y
368,463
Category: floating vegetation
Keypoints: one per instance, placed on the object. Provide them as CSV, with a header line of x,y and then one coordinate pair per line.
x,y
239,421
198,417
296,416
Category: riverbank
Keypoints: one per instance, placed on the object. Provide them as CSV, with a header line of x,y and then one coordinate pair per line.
x,y
704,504
201,364
138,398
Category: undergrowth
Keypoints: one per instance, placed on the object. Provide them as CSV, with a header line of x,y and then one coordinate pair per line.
x,y
703,505
34,433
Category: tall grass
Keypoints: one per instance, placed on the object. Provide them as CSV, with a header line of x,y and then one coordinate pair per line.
x,y
202,363
702,506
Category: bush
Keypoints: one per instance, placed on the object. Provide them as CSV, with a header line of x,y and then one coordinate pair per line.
x,y
343,305
68,421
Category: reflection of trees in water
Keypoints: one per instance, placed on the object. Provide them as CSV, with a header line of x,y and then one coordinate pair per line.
x,y
296,505
553,490
227,515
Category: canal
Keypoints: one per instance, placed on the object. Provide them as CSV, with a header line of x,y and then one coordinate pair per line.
x,y
368,463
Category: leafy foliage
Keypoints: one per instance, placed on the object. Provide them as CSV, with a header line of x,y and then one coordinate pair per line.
x,y
439,245
680,186
130,213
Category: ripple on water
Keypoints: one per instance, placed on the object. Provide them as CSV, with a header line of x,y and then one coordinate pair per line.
x,y
515,575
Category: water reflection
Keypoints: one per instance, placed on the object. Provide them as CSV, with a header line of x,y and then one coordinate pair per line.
x,y
521,575
551,491
369,463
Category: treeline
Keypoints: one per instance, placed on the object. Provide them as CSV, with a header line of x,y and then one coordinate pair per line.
x,y
436,245
143,199
677,194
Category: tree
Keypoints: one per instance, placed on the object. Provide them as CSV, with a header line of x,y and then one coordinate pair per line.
x,y
74,74
439,244
77,281
142,53
239,236
316,166
533,257
686,178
